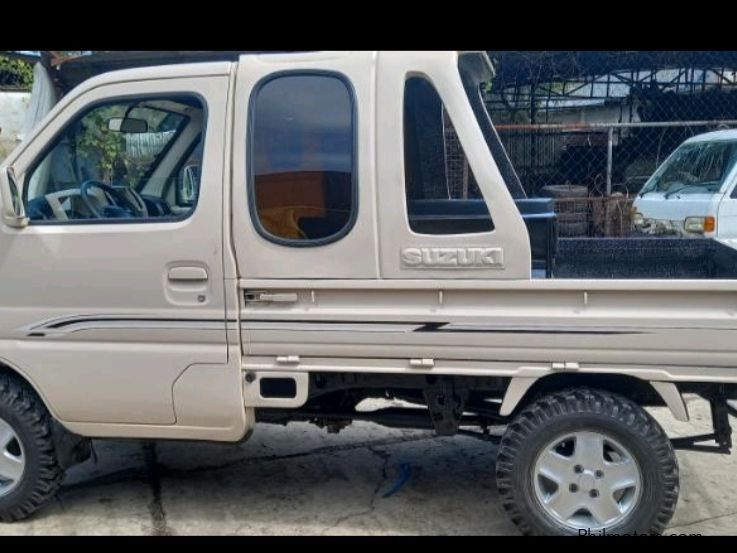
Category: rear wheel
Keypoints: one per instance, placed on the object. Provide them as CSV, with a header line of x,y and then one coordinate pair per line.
x,y
29,472
584,461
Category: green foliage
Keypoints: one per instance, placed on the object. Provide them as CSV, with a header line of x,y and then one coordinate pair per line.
x,y
19,69
99,144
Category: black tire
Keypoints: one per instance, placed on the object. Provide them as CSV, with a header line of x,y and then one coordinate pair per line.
x,y
21,408
564,412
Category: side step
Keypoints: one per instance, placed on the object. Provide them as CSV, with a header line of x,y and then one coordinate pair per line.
x,y
285,389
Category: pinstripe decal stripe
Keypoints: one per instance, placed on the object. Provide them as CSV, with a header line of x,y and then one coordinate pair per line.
x,y
87,322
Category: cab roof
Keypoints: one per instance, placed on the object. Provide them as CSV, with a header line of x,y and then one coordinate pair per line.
x,y
71,72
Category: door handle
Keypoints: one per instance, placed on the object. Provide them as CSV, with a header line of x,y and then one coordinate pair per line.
x,y
270,297
187,274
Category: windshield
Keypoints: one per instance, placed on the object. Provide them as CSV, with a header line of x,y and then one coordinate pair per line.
x,y
694,168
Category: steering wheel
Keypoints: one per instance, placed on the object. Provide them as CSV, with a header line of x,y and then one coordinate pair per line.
x,y
120,199
686,177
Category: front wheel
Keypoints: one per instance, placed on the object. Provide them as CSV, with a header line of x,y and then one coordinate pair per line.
x,y
585,461
29,472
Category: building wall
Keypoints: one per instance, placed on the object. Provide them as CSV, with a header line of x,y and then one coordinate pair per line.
x,y
13,106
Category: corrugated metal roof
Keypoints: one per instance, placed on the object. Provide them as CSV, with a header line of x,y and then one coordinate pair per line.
x,y
524,67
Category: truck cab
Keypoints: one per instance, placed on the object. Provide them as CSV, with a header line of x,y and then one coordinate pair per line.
x,y
191,249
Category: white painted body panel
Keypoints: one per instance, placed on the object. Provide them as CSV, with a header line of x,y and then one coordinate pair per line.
x,y
727,217
509,240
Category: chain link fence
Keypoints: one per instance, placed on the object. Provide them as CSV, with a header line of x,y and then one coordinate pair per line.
x,y
593,171
589,128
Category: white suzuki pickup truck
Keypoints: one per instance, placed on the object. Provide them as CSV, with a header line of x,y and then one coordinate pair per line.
x,y
191,249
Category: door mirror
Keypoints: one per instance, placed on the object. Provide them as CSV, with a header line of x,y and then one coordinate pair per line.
x,y
188,185
127,125
13,213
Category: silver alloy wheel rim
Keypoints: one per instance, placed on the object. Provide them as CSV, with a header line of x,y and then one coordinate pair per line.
x,y
12,459
587,480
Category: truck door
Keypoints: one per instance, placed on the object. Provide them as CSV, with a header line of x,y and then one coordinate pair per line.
x,y
115,288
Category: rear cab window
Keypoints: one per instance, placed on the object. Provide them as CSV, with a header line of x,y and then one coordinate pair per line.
x,y
442,194
302,144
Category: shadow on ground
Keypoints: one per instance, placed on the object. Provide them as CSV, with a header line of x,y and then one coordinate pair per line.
x,y
301,480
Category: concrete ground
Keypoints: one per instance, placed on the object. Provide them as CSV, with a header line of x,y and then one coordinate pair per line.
x,y
301,480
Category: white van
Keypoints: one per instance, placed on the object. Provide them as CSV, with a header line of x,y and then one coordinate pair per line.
x,y
693,192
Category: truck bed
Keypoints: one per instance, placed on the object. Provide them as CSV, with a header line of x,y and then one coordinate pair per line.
x,y
643,258
636,257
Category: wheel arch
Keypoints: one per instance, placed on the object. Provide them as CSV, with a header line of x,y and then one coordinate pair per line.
x,y
70,448
10,369
523,390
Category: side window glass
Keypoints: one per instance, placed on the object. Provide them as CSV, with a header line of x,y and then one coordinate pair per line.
x,y
303,187
113,162
442,194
